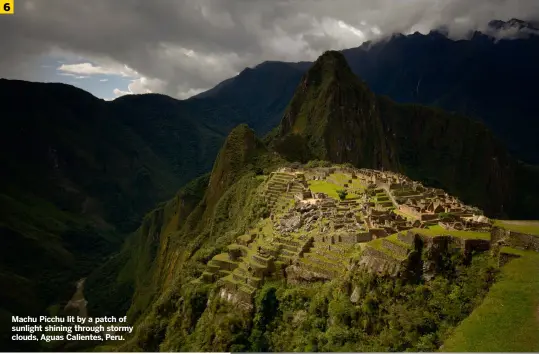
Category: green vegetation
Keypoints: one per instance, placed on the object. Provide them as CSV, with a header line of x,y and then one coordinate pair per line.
x,y
328,188
323,118
110,288
389,316
438,230
342,193
525,227
176,308
205,217
317,163
507,320
378,244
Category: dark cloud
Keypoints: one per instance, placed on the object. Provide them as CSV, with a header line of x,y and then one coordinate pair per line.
x,y
180,47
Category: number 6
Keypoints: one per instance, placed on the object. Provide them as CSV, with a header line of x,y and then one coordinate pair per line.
x,y
7,7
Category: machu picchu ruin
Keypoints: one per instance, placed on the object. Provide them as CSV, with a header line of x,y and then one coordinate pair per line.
x,y
315,234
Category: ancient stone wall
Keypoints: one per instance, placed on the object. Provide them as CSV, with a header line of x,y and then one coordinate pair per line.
x,y
259,272
230,266
425,217
400,251
236,296
330,247
406,237
306,246
379,262
298,274
364,237
372,252
515,239
349,238
409,210
378,233
476,245
265,261
236,251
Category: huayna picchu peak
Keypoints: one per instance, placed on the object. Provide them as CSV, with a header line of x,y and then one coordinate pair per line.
x,y
335,116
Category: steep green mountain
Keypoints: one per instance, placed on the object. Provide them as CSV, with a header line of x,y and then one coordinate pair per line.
x,y
337,116
176,239
79,173
334,116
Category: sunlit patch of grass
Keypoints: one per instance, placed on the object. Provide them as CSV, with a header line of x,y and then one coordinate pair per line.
x,y
328,188
438,230
508,318
526,227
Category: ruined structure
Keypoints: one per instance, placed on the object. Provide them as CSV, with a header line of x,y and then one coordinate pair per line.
x,y
383,224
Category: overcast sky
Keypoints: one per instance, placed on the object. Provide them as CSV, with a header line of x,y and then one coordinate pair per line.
x,y
183,47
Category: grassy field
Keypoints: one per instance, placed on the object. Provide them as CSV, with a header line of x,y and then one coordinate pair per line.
x,y
508,318
328,188
526,227
343,178
438,230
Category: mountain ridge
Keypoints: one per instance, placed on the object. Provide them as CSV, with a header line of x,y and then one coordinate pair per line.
x,y
431,69
82,173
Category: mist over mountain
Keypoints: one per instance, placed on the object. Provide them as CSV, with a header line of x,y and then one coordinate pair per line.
x,y
492,80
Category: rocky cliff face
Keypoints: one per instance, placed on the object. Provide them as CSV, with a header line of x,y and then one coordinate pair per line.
x,y
452,152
